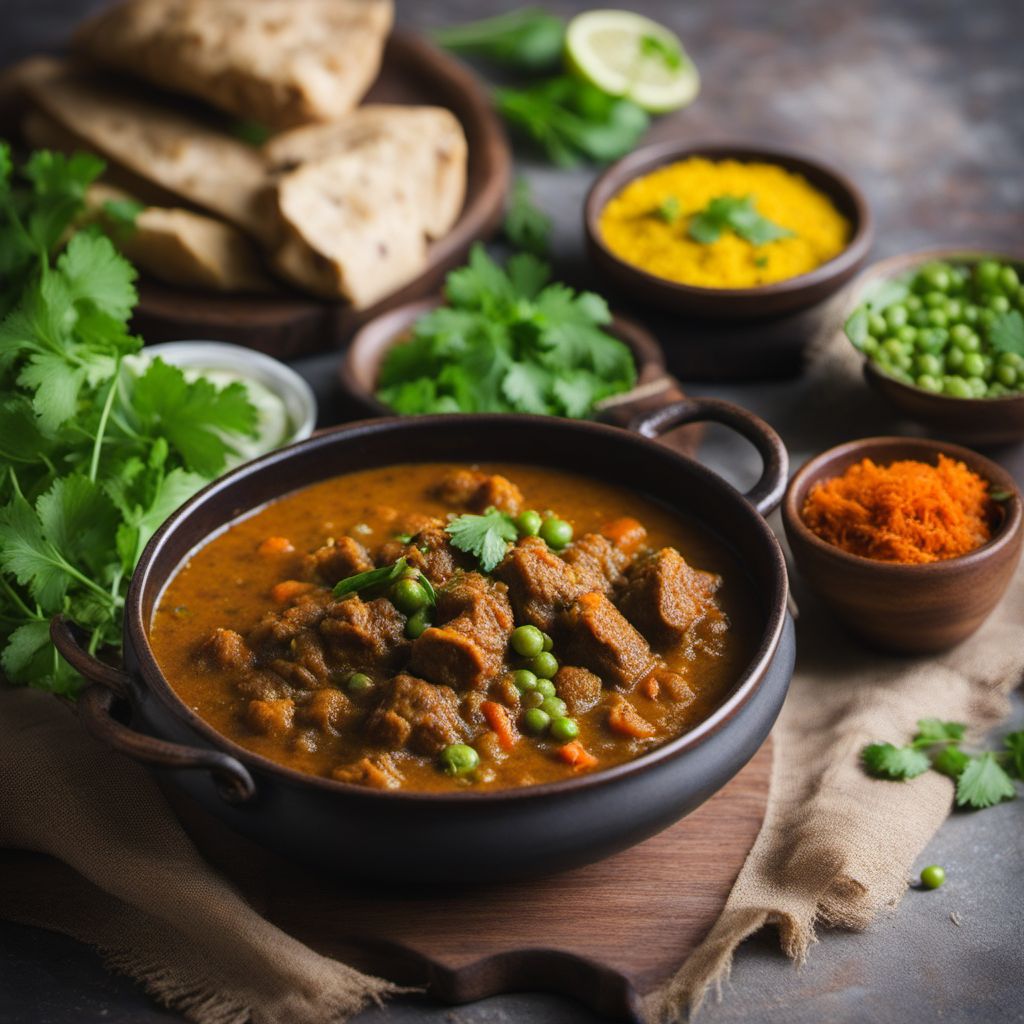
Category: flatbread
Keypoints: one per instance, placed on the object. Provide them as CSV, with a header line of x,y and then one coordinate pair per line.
x,y
352,224
432,150
182,248
181,153
279,62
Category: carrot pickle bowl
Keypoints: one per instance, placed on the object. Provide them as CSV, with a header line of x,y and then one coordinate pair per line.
x,y
496,834
906,609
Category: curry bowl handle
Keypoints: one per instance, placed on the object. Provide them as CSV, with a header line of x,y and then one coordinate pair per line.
x,y
766,494
95,708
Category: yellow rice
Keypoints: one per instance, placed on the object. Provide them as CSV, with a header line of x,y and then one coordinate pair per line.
x,y
633,231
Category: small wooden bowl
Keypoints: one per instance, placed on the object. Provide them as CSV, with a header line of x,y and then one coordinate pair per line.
x,y
655,388
908,609
981,421
796,293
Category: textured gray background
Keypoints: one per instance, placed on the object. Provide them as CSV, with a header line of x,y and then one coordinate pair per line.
x,y
922,101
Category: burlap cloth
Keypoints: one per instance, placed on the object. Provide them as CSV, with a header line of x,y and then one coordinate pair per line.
x,y
835,847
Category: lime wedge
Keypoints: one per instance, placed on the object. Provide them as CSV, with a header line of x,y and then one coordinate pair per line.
x,y
626,54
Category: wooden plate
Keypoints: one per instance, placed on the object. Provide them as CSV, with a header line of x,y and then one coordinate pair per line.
x,y
289,324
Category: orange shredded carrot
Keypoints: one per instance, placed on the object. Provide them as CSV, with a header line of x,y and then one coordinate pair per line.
x,y
498,719
627,534
625,719
577,755
276,546
910,512
288,590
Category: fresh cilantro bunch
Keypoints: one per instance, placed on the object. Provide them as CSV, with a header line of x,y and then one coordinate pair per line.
x,y
508,341
93,457
981,779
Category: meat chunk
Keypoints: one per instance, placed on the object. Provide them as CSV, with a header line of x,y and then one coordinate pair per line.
x,y
479,491
430,551
467,649
624,719
540,583
599,638
580,689
336,560
327,710
377,772
226,649
271,717
664,597
417,715
600,558
364,633
664,684
283,627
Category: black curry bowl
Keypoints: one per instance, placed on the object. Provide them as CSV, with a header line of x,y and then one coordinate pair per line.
x,y
463,836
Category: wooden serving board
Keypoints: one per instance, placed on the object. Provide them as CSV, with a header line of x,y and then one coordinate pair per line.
x,y
287,324
606,934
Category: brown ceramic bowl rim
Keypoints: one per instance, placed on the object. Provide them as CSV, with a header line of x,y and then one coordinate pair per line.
x,y
648,158
803,480
893,267
747,685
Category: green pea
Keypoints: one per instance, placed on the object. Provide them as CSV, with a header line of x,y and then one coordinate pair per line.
x,y
459,759
919,318
548,642
896,315
417,623
955,358
545,665
556,532
563,729
933,876
929,382
546,688
536,721
932,339
928,364
968,341
954,309
938,276
554,706
877,325
533,699
1006,375
997,390
524,680
956,387
934,300
987,274
960,333
358,682
1009,279
408,596
907,334
913,303
528,523
894,347
971,314
998,304
527,641
978,387
938,318
974,365
1011,359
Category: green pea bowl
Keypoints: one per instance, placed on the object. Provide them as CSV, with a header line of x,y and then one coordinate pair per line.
x,y
942,335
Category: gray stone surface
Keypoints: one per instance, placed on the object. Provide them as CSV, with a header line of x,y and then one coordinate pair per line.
x,y
921,101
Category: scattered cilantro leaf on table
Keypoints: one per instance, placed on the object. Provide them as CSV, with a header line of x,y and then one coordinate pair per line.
x,y
527,226
486,536
983,783
891,762
509,341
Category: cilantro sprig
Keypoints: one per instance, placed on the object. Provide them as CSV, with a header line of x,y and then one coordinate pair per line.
x,y
508,341
93,456
736,214
982,780
486,536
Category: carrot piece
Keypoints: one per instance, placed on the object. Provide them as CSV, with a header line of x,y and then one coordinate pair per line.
x,y
577,755
626,534
288,590
276,546
498,719
650,687
624,718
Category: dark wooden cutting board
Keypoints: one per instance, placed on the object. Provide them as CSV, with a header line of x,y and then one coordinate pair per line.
x,y
606,934
288,324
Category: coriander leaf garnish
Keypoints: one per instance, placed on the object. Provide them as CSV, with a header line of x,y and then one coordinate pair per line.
x,y
1014,744
487,536
668,210
932,730
950,761
527,227
889,762
998,494
1007,333
737,214
983,783
362,582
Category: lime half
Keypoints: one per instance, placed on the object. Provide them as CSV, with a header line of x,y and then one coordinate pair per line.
x,y
626,54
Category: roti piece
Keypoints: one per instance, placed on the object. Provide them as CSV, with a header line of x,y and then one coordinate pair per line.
x,y
181,247
431,140
278,62
352,224
14,83
181,153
